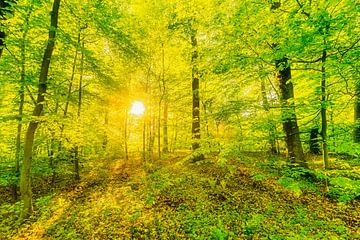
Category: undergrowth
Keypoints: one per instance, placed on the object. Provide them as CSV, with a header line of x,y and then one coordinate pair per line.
x,y
217,198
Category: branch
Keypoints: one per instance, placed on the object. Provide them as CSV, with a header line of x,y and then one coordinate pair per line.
x,y
273,86
304,69
351,47
31,96
307,61
301,8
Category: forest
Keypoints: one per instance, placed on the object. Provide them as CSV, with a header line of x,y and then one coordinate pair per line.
x,y
179,119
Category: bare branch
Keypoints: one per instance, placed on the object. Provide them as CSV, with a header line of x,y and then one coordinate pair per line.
x,y
306,61
301,8
31,96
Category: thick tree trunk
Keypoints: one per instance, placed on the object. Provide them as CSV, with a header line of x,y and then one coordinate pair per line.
x,y
323,112
5,7
314,141
195,130
25,179
357,113
290,126
2,42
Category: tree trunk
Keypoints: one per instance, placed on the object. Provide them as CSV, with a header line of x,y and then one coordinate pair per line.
x,y
165,127
165,148
76,159
272,126
144,139
323,112
159,130
152,135
106,126
126,136
290,126
4,5
314,141
21,105
2,42
357,113
25,179
195,130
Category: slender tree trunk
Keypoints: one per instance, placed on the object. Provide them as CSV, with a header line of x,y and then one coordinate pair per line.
x,y
195,130
81,79
290,125
152,135
323,112
173,143
71,81
76,157
52,149
25,179
272,126
21,105
126,136
357,113
159,129
165,148
165,127
68,97
106,125
144,139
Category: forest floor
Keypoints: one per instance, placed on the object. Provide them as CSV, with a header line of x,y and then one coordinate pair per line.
x,y
175,199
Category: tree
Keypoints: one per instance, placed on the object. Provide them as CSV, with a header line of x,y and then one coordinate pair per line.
x,y
357,112
290,125
25,179
5,9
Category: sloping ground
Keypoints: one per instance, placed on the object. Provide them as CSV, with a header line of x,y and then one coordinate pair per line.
x,y
175,199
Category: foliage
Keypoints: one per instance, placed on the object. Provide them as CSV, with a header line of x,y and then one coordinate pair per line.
x,y
86,177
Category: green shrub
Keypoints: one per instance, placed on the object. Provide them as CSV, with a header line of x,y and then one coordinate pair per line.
x,y
344,189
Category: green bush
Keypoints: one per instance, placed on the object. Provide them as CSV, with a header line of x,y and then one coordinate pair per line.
x,y
344,189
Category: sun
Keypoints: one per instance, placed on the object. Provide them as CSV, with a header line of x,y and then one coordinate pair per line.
x,y
137,108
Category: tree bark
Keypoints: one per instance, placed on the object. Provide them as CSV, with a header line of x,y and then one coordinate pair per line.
x,y
314,141
25,179
2,42
106,125
4,9
290,126
165,127
195,130
159,129
165,148
323,112
357,113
